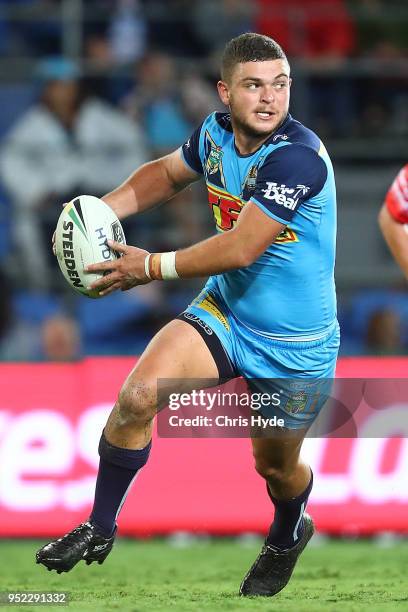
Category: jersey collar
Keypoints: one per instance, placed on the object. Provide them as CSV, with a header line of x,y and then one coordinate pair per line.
x,y
275,136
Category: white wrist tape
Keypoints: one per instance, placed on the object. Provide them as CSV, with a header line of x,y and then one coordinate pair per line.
x,y
168,265
147,271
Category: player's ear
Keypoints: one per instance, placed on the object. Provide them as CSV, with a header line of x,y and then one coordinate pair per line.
x,y
223,92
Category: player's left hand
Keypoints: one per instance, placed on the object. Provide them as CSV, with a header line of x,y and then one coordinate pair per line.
x,y
123,273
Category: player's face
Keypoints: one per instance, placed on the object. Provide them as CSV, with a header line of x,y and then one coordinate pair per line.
x,y
258,96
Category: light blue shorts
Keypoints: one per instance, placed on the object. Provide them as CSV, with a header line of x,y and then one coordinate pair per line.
x,y
302,372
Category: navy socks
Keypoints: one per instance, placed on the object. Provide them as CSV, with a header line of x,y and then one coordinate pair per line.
x,y
117,470
287,526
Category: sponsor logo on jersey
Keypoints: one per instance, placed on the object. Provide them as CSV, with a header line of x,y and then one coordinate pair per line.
x,y
206,300
210,305
283,195
225,207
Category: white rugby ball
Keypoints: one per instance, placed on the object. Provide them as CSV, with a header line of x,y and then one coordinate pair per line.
x,y
83,228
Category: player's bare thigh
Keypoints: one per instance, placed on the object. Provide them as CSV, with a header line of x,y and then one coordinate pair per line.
x,y
178,355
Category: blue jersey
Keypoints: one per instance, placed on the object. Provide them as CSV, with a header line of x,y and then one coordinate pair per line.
x,y
289,292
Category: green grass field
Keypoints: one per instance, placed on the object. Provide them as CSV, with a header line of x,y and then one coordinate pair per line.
x,y
205,575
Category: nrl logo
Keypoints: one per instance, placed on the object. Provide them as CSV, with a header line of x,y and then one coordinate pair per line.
x,y
214,159
296,403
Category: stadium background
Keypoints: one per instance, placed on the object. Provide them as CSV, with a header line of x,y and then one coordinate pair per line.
x,y
63,357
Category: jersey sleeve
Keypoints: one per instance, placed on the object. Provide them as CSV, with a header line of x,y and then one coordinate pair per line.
x,y
191,151
290,175
396,199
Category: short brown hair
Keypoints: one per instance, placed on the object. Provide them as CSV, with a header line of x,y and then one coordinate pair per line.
x,y
249,47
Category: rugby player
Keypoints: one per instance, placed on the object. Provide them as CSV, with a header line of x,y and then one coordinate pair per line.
x,y
269,301
393,219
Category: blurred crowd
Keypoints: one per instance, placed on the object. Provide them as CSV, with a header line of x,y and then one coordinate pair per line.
x,y
138,84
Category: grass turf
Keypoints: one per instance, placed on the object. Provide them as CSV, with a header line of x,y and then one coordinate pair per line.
x,y
155,576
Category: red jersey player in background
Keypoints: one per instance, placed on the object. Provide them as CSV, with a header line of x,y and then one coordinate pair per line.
x,y
393,219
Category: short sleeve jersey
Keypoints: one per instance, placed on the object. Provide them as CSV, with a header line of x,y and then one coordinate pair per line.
x,y
396,199
289,291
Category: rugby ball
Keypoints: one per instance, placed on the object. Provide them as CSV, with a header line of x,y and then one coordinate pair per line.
x,y
83,228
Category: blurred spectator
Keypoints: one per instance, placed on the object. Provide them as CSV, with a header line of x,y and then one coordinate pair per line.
x,y
170,105
198,97
320,33
60,339
155,101
379,21
65,145
25,29
384,333
383,95
33,328
127,32
170,27
99,61
383,101
319,30
107,81
217,21
111,47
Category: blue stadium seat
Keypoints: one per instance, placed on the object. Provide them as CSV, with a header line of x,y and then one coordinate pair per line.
x,y
113,324
5,223
34,308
